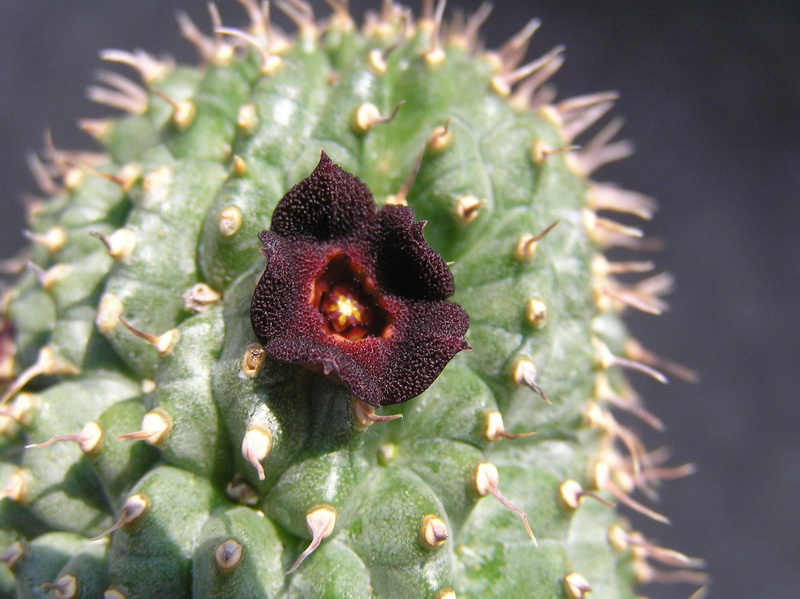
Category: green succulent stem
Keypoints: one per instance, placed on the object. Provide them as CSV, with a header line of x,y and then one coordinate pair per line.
x,y
141,408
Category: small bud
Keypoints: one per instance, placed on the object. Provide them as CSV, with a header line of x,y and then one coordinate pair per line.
x,y
494,429
230,220
432,532
468,207
239,166
524,374
387,453
270,63
643,572
17,487
127,176
253,360
200,298
120,244
8,351
52,240
7,425
570,495
51,276
364,415
240,491
541,151
484,480
606,359
183,114
577,586
321,522
247,119
108,313
446,594
113,593
601,474
256,446
596,417
525,248
12,555
434,56
133,509
23,409
223,54
73,178
499,86
48,362
156,427
377,60
183,111
594,225
8,365
228,555
366,117
16,264
618,538
440,138
5,299
65,587
90,439
157,180
396,200
163,343
536,312
484,476
97,128
603,480
527,244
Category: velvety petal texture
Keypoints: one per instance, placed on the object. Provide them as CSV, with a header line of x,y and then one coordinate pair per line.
x,y
330,204
354,291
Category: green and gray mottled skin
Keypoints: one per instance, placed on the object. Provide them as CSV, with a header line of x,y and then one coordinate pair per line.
x,y
185,464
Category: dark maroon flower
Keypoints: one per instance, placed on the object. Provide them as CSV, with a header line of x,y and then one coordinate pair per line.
x,y
355,291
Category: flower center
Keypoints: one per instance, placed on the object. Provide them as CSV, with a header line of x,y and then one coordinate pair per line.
x,y
352,308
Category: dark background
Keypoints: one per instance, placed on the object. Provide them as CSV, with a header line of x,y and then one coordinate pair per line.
x,y
711,92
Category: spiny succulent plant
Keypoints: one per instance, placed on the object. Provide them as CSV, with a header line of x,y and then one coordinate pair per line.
x,y
369,412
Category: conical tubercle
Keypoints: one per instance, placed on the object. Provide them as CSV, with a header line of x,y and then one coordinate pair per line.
x,y
48,362
256,446
156,427
90,438
321,522
133,509
485,479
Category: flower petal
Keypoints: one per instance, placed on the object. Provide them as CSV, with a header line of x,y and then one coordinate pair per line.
x,y
406,265
329,204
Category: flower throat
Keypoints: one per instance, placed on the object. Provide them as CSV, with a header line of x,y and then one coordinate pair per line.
x,y
351,308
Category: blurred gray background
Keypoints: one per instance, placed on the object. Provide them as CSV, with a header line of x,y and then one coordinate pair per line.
x,y
711,95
